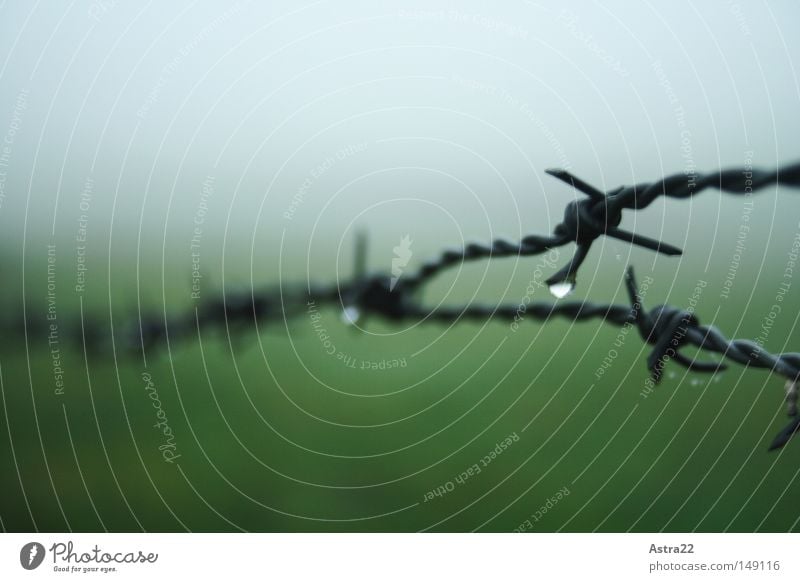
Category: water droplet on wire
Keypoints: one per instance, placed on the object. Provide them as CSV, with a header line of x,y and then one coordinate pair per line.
x,y
562,288
350,315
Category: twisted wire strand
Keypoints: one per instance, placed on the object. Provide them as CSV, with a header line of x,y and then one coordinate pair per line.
x,y
599,214
372,297
681,186
498,248
704,337
574,311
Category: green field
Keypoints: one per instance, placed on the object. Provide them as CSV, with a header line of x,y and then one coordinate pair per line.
x,y
271,432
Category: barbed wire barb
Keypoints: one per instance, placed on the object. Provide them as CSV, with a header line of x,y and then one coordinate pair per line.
x,y
599,214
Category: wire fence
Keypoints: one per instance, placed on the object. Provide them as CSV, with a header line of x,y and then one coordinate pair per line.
x,y
666,328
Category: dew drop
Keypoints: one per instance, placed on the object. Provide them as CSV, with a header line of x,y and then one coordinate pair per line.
x,y
562,288
350,315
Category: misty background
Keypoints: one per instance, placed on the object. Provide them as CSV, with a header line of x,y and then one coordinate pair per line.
x,y
251,143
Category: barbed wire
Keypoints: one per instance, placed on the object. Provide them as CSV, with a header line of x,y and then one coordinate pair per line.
x,y
666,328
586,220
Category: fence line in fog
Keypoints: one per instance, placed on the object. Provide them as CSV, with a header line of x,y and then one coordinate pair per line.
x,y
396,298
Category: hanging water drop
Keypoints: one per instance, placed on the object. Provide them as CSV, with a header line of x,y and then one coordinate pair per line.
x,y
350,315
563,288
